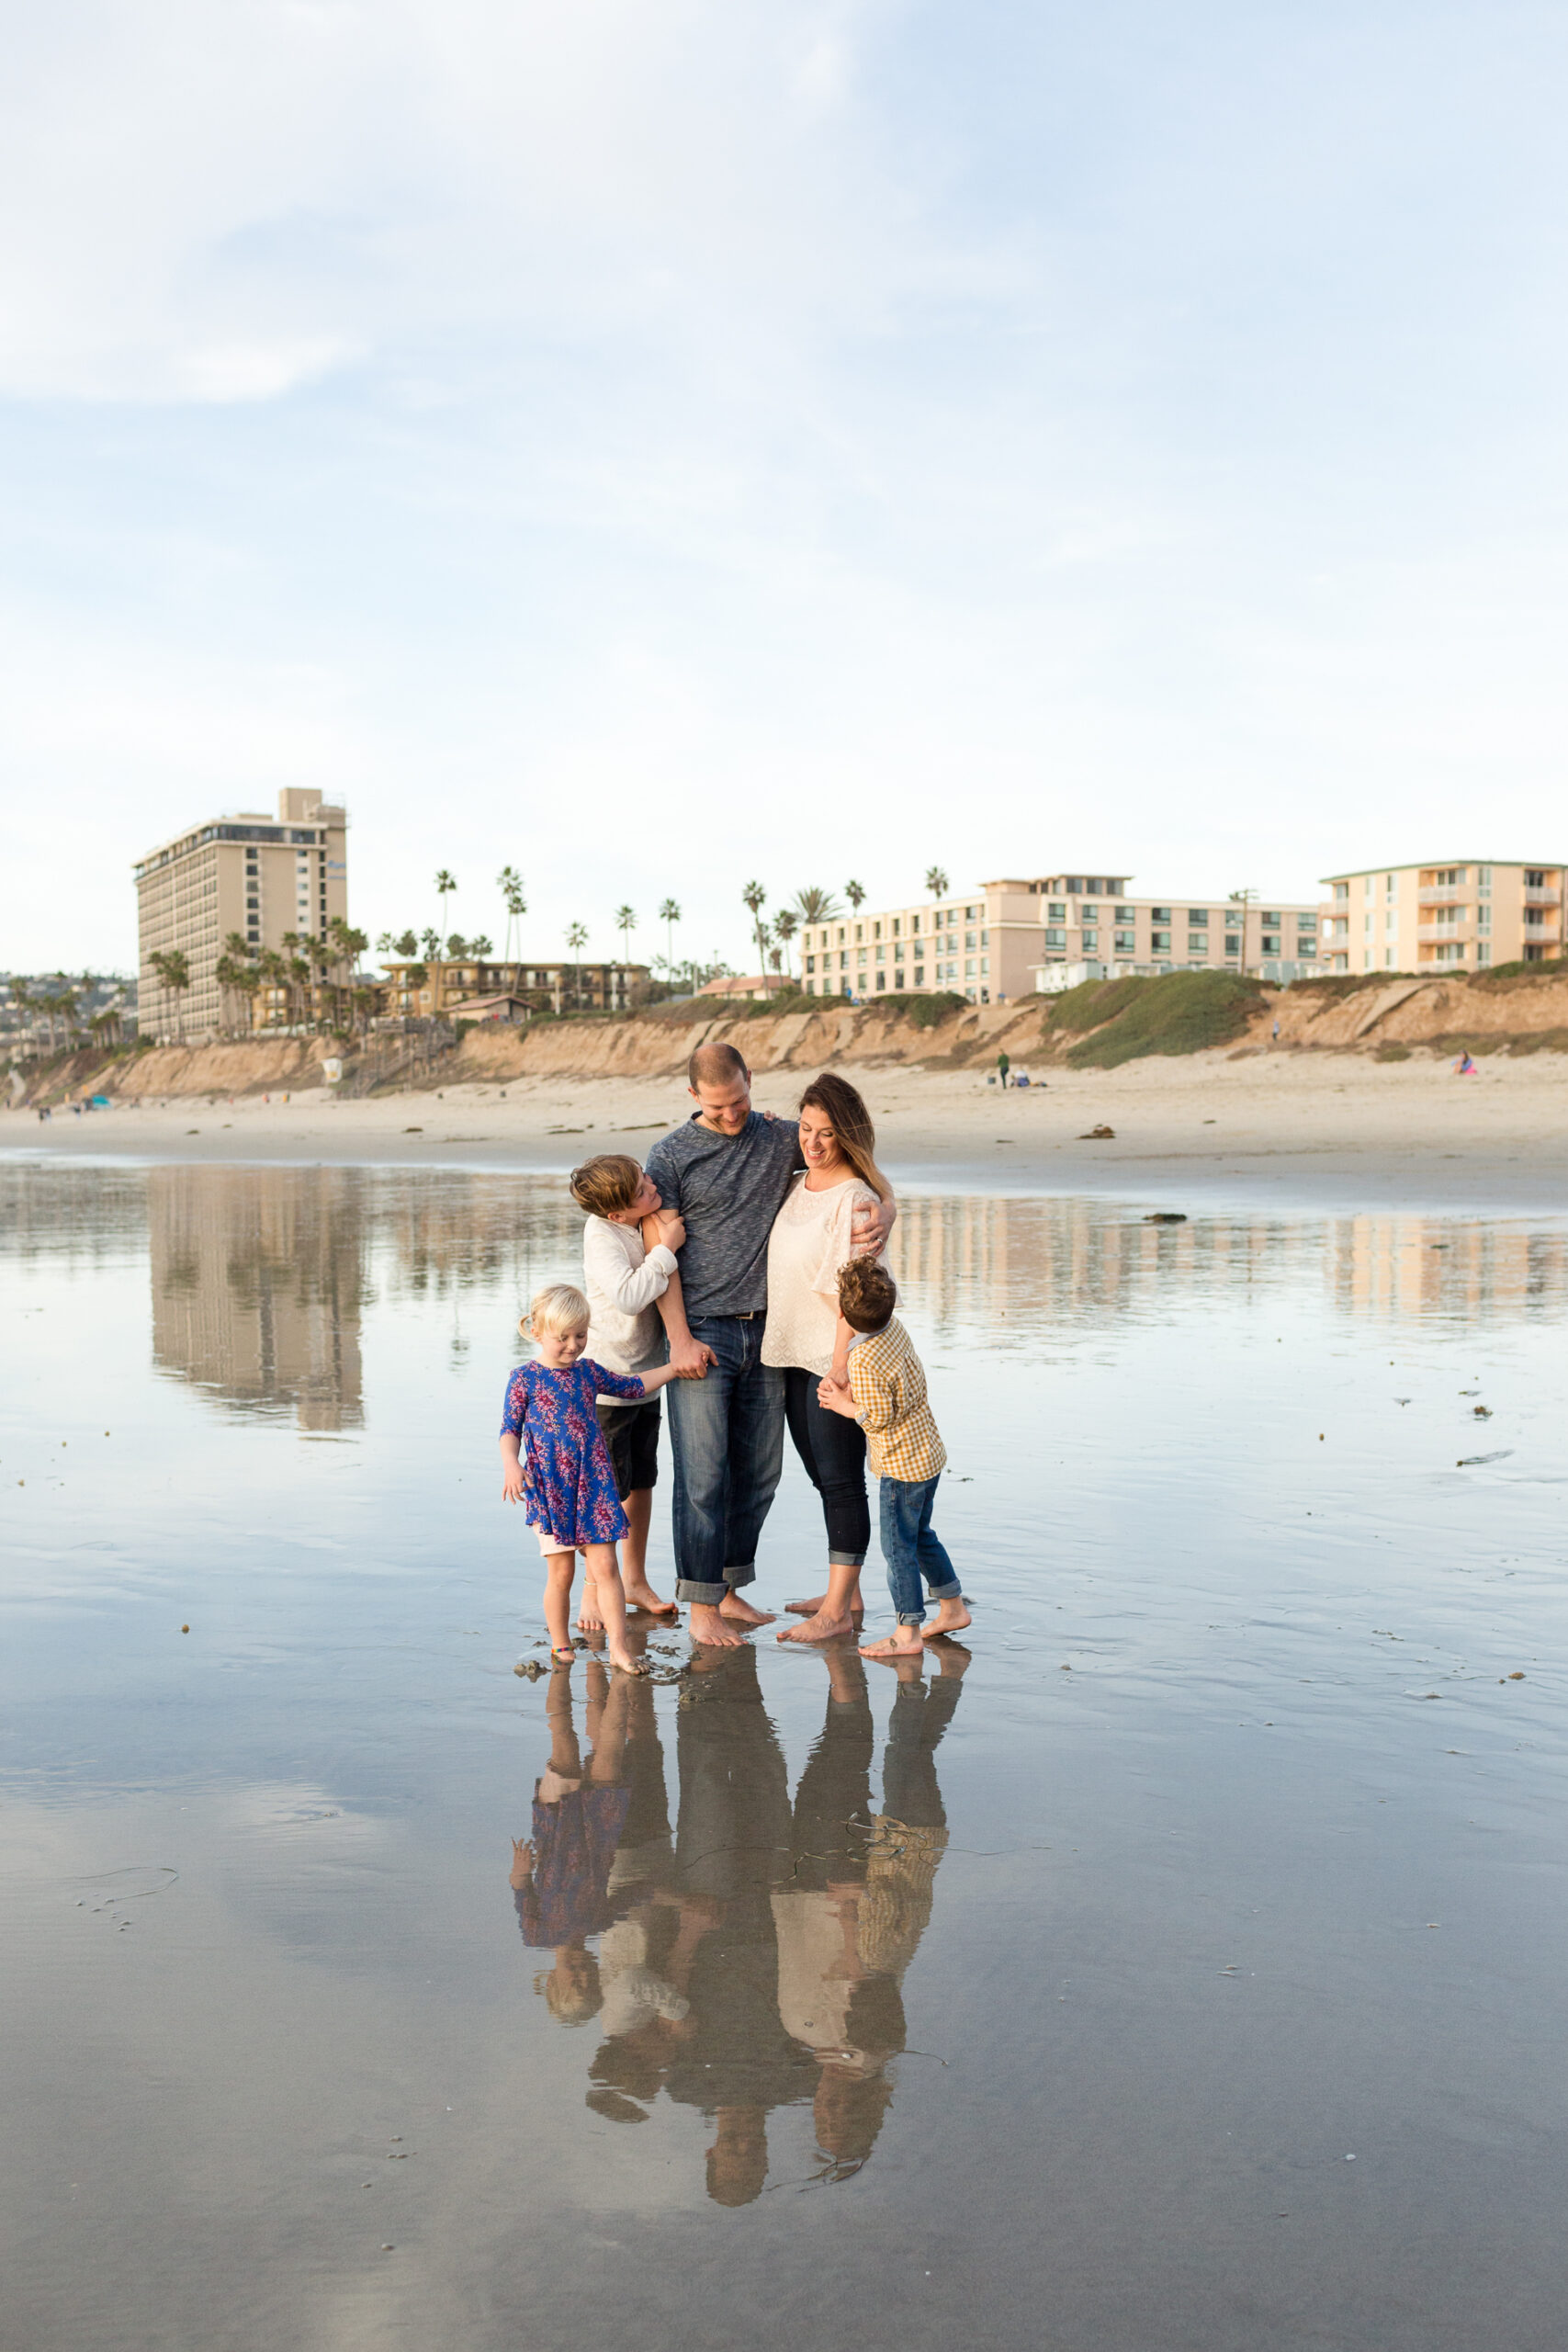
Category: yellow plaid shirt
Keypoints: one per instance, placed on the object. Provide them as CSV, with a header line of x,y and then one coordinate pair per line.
x,y
887,1381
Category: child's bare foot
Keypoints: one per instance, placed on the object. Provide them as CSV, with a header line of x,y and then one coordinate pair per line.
x,y
952,1616
642,1595
590,1617
709,1626
626,1660
740,1612
904,1642
821,1628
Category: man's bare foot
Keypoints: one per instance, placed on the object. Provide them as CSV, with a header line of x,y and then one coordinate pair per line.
x,y
815,1607
904,1642
642,1595
709,1626
952,1616
740,1612
821,1628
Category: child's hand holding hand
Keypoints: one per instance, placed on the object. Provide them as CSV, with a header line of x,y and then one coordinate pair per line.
x,y
836,1400
512,1484
665,1227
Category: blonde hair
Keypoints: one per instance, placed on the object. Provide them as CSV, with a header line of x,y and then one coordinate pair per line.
x,y
572,2004
557,1308
608,1182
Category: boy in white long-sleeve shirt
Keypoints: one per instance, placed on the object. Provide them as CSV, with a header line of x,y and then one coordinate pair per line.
x,y
629,1262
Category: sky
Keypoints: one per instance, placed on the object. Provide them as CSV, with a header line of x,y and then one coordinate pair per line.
x,y
660,446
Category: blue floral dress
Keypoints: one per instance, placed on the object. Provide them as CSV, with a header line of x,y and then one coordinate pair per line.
x,y
567,1478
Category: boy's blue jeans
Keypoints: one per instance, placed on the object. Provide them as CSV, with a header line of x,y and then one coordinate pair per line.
x,y
913,1549
727,1434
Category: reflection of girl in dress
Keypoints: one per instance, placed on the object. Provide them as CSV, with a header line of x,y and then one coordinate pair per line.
x,y
568,1482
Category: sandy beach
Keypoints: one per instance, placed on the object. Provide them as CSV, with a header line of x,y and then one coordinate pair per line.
x,y
1334,1128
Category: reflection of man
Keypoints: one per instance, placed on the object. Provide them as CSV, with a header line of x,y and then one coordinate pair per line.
x,y
726,1172
734,2059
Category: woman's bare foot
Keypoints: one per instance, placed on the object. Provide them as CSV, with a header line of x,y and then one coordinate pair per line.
x,y
952,1616
642,1595
740,1612
590,1617
815,1607
709,1626
821,1628
904,1642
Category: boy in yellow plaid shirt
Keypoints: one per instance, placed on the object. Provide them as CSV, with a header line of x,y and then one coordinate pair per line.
x,y
886,1395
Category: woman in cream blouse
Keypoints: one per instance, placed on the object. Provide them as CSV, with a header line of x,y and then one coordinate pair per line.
x,y
811,1239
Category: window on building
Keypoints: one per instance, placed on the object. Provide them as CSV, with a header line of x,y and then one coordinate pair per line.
x,y
843,957
1197,943
1198,917
1056,912
896,926
860,958
1483,952
882,980
1088,910
919,976
811,963
1235,919
1535,878
1270,943
1159,943
969,913
969,968
882,954
1366,887
1125,942
1391,885
860,930
915,924
876,931
1055,935
1270,923
1160,914
1232,944
969,939
1484,918
1126,914
1341,889
1091,943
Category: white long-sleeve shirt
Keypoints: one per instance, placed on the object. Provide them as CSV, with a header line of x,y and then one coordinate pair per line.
x,y
622,1281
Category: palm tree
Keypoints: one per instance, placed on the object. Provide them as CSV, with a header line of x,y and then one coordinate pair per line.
x,y
172,968
815,905
576,940
509,882
626,923
855,893
431,942
936,881
481,944
755,898
785,926
670,915
445,884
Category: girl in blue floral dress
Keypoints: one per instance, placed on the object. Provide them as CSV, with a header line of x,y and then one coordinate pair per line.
x,y
568,1482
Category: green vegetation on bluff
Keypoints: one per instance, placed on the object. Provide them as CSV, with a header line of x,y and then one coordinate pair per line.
x,y
1181,1012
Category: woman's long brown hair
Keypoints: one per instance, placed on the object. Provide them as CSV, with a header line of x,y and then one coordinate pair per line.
x,y
845,1107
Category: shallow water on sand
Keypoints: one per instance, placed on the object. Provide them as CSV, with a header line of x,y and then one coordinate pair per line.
x,y
1183,1971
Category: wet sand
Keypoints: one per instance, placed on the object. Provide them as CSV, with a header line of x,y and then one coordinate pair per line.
x,y
1339,1129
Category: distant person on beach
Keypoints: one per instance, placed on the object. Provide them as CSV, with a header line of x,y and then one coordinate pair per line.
x,y
629,1262
813,1239
1003,1066
568,1482
726,1172
888,1396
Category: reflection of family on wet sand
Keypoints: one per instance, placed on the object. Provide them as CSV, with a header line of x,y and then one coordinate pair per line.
x,y
756,1959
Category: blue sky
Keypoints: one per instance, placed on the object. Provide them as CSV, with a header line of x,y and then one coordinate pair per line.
x,y
654,446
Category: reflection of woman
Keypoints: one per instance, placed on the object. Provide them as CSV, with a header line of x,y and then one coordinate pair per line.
x,y
812,1238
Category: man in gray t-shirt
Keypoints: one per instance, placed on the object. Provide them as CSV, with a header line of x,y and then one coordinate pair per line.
x,y
726,1172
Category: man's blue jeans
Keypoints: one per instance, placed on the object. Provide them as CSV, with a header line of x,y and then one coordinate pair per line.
x,y
727,1434
913,1549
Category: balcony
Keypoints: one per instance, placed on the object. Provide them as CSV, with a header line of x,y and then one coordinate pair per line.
x,y
1427,932
1443,894
1543,898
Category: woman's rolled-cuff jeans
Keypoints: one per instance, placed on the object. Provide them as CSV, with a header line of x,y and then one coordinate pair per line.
x,y
913,1549
832,1452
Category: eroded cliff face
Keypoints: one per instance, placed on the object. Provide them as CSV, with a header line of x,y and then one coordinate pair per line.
x,y
1439,1013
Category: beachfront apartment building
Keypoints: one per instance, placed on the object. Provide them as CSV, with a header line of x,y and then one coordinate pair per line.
x,y
250,873
432,988
1005,939
1460,915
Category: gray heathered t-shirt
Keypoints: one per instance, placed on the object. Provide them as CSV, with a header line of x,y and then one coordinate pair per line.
x,y
729,1189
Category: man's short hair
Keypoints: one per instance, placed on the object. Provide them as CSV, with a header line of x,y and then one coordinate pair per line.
x,y
867,1294
715,1065
605,1183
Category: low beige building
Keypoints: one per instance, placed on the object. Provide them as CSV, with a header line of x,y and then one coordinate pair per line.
x,y
440,988
994,942
1455,916
261,878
